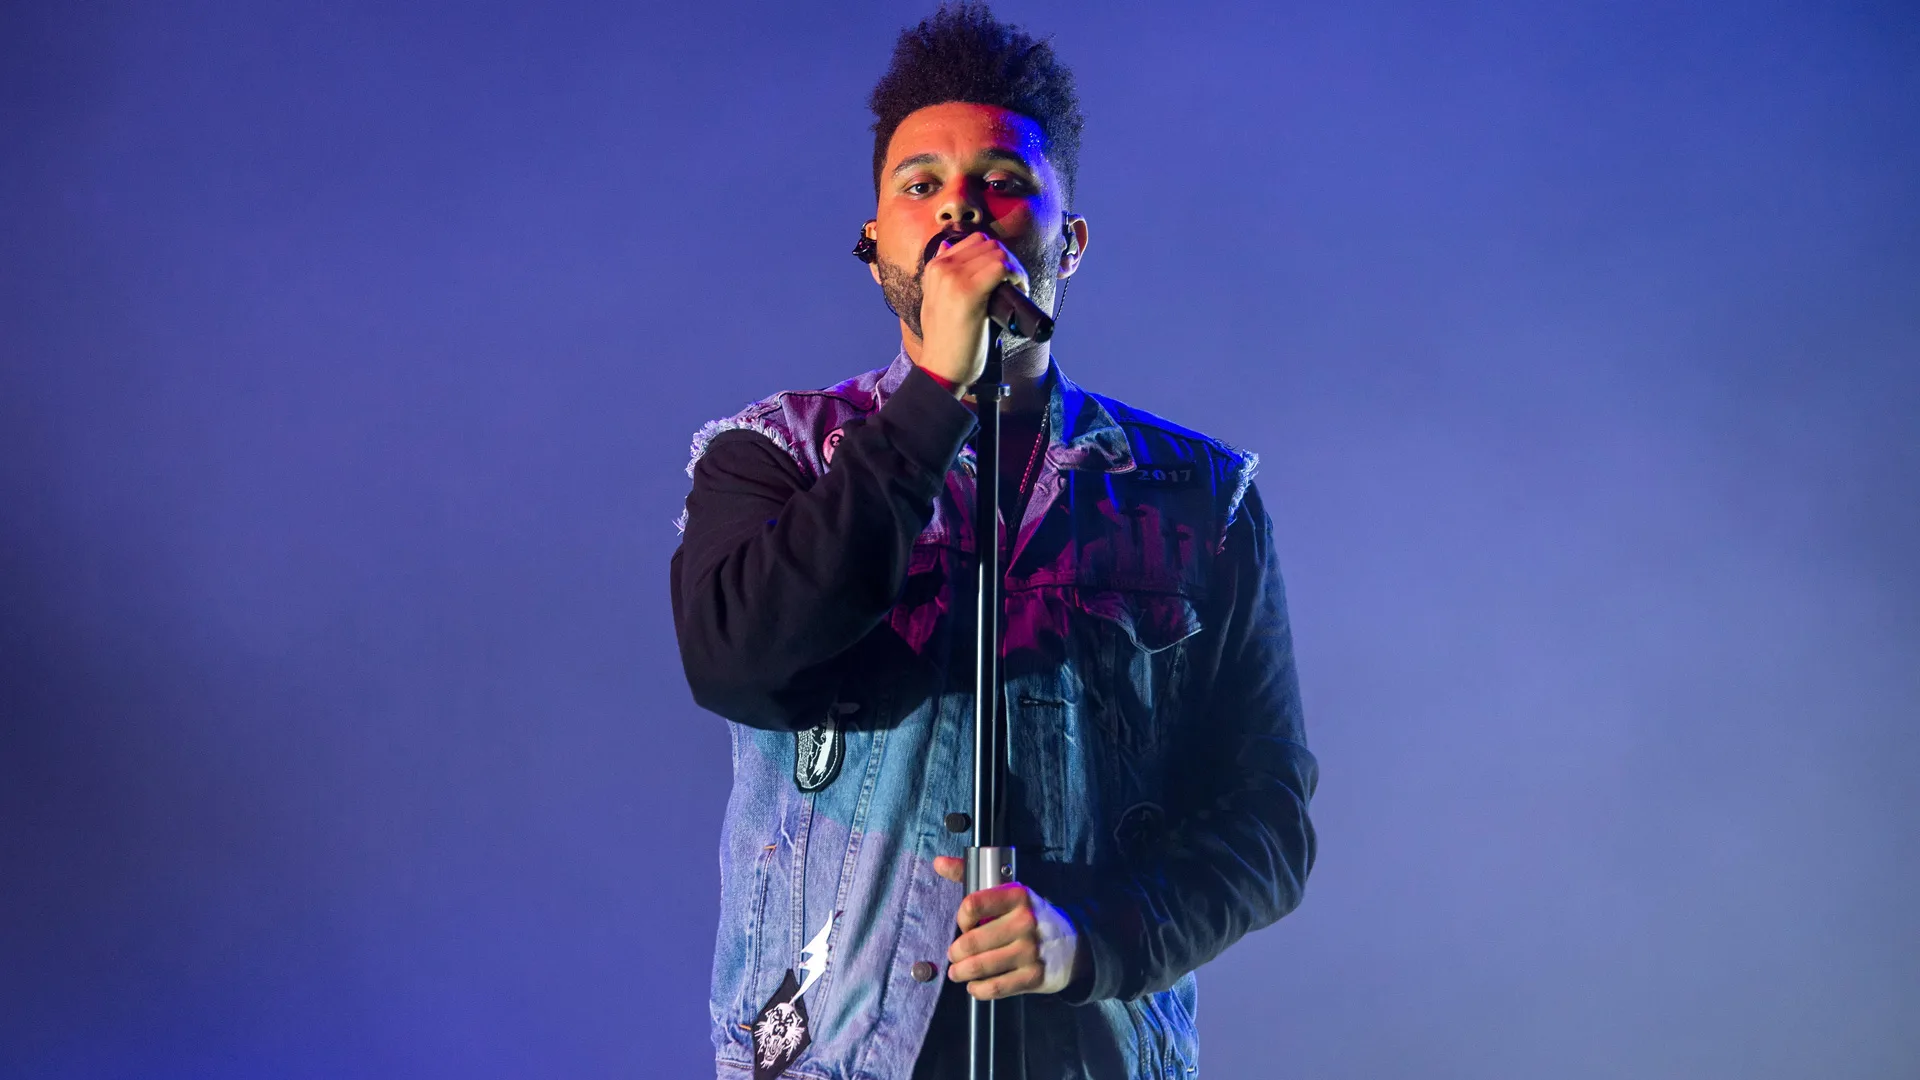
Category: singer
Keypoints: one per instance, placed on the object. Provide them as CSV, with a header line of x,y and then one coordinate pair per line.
x,y
1159,770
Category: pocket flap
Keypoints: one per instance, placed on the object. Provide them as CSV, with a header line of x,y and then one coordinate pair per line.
x,y
1152,621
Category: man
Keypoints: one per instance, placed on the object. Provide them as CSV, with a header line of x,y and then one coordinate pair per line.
x,y
1160,775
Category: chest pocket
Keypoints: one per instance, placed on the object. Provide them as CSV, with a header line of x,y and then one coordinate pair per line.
x,y
1133,646
1151,622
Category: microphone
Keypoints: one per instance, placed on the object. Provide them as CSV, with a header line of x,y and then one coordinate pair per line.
x,y
1008,307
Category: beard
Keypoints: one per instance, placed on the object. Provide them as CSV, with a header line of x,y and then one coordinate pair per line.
x,y
902,288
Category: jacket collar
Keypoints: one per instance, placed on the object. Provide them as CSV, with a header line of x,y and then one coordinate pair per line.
x,y
892,377
1081,433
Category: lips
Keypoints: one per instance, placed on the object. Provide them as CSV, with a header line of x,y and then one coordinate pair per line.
x,y
939,238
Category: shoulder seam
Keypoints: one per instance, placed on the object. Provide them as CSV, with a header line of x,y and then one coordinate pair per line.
x,y
1137,417
744,421
1247,463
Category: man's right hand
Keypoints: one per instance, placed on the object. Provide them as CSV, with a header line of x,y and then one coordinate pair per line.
x,y
953,305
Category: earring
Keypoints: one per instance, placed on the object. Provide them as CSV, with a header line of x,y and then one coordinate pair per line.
x,y
865,249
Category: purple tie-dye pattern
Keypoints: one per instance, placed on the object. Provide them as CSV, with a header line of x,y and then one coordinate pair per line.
x,y
1106,576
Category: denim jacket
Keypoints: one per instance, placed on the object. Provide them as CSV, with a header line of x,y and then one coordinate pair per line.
x,y
1160,775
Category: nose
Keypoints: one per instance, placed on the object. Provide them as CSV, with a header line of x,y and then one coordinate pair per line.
x,y
964,206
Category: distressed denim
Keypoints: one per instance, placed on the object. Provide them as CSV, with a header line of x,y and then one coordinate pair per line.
x,y
1112,750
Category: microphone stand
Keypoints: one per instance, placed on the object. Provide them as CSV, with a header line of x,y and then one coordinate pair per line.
x,y
989,859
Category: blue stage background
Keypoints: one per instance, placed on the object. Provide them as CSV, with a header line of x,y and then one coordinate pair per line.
x,y
350,355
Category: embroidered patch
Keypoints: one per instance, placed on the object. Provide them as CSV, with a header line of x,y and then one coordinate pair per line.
x,y
830,444
818,753
813,956
1171,476
780,1031
1142,828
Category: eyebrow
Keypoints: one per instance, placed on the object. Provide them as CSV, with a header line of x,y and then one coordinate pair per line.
x,y
992,153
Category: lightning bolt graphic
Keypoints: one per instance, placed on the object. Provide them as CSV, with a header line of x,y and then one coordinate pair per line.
x,y
813,958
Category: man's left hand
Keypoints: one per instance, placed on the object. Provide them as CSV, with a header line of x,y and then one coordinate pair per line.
x,y
1011,941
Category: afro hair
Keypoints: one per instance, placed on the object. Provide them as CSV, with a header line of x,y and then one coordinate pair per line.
x,y
961,53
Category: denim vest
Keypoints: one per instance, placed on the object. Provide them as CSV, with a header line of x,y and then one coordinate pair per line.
x,y
1100,601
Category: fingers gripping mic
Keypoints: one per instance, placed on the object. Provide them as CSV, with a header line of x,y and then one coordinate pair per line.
x,y
1014,310
1008,307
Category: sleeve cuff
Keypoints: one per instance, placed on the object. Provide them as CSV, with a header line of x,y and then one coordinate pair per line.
x,y
925,422
947,384
1101,979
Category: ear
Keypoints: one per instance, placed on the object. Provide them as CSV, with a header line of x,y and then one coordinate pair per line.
x,y
868,234
1075,229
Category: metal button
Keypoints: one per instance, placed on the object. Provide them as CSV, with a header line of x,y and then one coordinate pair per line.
x,y
959,822
923,971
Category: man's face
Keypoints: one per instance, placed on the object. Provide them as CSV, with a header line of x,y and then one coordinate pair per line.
x,y
961,165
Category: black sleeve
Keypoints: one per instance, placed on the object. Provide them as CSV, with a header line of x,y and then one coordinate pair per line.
x,y
1239,859
775,577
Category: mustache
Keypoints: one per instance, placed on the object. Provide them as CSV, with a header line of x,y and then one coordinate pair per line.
x,y
942,237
